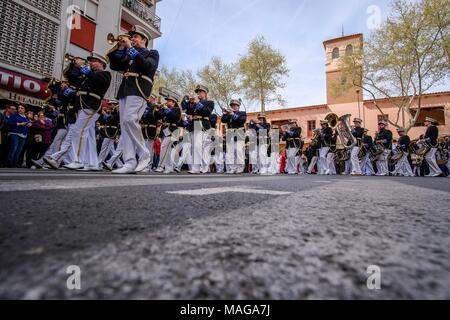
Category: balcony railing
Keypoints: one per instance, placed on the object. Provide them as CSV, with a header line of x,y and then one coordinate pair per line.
x,y
144,12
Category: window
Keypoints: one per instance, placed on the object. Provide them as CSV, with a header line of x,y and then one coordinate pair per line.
x,y
87,8
311,127
335,54
84,37
349,50
437,113
382,117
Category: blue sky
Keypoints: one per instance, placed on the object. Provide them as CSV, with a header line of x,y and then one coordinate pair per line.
x,y
196,30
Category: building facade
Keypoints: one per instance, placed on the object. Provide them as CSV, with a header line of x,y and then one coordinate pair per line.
x,y
435,105
35,36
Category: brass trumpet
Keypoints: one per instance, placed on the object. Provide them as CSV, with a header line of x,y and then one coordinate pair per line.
x,y
112,39
70,58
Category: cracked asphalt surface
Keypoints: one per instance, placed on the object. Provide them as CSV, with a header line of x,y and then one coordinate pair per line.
x,y
134,240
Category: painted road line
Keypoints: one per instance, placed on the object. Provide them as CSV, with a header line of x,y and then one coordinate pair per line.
x,y
210,191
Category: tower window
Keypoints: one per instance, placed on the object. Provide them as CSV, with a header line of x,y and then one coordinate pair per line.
x,y
335,54
349,50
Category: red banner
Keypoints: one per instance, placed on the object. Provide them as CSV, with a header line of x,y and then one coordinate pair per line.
x,y
20,83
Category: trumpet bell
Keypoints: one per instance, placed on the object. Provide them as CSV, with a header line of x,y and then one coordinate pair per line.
x,y
111,39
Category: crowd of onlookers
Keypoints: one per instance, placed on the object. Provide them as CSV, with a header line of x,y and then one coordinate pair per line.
x,y
25,134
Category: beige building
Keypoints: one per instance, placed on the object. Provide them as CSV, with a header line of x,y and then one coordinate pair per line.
x,y
35,35
435,105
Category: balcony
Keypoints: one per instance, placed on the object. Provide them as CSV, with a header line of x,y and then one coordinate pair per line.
x,y
144,12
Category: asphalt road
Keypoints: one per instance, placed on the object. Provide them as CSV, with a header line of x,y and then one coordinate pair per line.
x,y
222,237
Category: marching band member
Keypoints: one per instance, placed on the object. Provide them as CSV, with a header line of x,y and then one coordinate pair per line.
x,y
217,147
235,138
88,101
170,115
331,156
258,154
73,72
274,167
184,142
383,138
366,162
109,123
292,138
402,167
447,150
139,66
200,113
358,133
149,125
64,99
326,136
431,138
313,150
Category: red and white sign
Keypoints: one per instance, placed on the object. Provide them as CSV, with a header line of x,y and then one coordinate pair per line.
x,y
20,83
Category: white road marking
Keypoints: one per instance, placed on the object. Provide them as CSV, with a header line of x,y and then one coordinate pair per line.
x,y
210,191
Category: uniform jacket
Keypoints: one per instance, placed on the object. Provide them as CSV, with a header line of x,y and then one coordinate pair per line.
x,y
386,136
432,135
96,82
145,63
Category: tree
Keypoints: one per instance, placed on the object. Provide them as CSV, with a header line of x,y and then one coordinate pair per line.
x,y
182,82
403,59
262,70
221,79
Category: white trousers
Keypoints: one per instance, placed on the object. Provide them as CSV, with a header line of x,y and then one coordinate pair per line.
x,y
366,166
235,156
65,153
430,157
219,160
274,167
117,153
313,163
186,155
356,167
106,149
291,165
323,165
166,160
131,110
57,142
403,168
83,138
201,151
382,163
330,163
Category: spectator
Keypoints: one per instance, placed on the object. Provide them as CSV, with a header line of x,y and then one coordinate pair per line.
x,y
27,150
42,130
4,141
157,149
18,125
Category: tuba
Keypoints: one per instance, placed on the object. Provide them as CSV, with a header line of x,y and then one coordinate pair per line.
x,y
342,127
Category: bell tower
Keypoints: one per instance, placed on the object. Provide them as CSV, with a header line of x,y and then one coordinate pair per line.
x,y
336,49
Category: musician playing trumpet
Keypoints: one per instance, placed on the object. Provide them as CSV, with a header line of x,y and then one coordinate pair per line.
x,y
138,65
357,132
402,167
383,138
235,138
431,138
